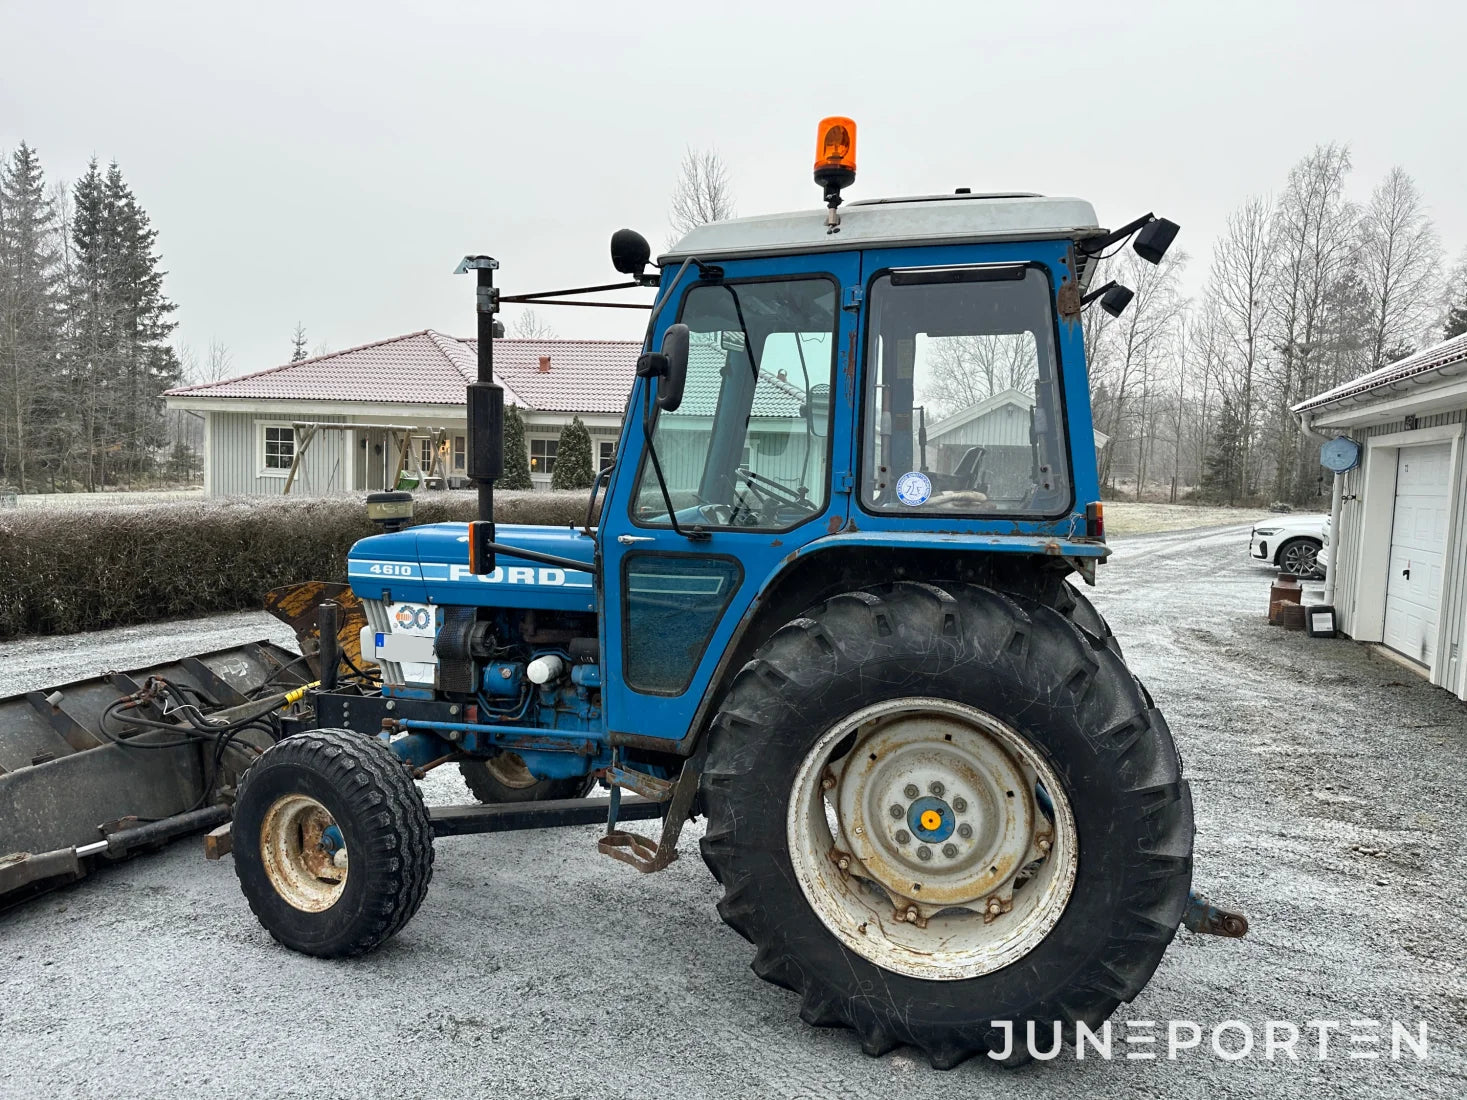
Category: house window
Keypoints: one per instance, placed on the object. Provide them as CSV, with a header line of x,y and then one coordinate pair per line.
x,y
605,453
460,444
277,448
542,455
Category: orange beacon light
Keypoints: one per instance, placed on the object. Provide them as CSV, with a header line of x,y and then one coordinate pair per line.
x,y
835,154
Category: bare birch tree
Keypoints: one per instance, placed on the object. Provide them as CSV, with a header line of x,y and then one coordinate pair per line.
x,y
1400,266
703,193
528,325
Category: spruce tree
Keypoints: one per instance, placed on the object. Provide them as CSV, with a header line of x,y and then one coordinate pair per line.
x,y
30,317
516,454
1223,476
147,366
89,311
1456,319
298,344
574,468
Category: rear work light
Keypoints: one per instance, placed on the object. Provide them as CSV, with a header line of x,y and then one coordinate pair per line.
x,y
1095,520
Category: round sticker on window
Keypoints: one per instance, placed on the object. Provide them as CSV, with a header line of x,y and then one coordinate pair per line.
x,y
913,489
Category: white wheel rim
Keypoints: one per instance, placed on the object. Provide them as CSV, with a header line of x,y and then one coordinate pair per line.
x,y
509,769
981,897
301,868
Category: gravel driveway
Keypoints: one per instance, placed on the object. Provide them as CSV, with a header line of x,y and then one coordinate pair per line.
x,y
1328,784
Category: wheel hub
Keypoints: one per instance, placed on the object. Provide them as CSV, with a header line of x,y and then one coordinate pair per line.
x,y
967,813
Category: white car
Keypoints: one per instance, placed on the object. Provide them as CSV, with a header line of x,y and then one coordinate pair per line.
x,y
1290,542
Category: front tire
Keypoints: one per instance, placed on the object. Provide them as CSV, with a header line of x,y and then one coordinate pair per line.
x,y
1300,556
332,843
993,678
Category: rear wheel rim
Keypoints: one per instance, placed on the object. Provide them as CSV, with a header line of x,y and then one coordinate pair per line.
x,y
305,869
932,839
508,768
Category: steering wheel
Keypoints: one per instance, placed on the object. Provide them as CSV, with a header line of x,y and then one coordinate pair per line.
x,y
773,494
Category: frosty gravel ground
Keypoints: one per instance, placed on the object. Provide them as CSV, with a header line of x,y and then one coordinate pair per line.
x,y
1327,783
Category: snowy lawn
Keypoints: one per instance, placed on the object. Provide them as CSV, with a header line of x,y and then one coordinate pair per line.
x,y
1127,518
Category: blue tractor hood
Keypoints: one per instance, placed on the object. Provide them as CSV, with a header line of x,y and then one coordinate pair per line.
x,y
430,564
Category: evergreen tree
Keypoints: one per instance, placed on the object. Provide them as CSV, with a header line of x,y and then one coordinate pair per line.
x,y
516,454
1456,319
1223,473
147,364
298,344
90,309
574,468
30,318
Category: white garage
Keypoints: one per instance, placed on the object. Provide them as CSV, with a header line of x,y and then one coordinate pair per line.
x,y
1399,555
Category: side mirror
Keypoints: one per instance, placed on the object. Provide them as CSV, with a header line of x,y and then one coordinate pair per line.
x,y
669,367
630,252
1154,239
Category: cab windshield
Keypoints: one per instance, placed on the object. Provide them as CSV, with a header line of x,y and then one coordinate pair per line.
x,y
962,401
748,445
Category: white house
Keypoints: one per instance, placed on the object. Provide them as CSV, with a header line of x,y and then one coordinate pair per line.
x,y
1000,425
1400,552
354,417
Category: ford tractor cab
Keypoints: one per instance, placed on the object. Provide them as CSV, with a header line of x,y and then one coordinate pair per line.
x,y
824,602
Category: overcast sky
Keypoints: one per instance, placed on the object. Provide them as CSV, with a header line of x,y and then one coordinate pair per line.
x,y
329,163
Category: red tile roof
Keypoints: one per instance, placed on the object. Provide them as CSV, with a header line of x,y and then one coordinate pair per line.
x,y
429,368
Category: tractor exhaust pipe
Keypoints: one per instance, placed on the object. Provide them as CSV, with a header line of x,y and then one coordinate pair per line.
x,y
486,414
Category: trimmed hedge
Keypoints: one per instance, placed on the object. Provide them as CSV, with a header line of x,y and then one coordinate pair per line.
x,y
72,569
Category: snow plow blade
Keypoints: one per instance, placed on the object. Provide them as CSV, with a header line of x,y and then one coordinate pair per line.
x,y
80,787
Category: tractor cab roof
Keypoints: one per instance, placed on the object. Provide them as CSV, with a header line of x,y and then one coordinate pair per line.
x,y
920,219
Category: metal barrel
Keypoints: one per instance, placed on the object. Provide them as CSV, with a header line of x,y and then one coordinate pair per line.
x,y
66,786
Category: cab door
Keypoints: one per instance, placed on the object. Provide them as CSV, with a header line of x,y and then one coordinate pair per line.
x,y
756,461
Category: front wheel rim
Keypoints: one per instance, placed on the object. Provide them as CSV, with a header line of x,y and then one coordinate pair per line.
x,y
297,847
932,839
1301,560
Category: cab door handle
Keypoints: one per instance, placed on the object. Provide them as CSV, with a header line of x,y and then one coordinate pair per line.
x,y
627,540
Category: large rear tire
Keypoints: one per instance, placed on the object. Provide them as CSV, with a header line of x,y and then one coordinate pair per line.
x,y
332,843
809,749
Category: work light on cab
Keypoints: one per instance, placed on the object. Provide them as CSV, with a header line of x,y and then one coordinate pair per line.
x,y
835,163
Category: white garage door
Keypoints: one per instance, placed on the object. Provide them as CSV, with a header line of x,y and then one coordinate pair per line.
x,y
1418,550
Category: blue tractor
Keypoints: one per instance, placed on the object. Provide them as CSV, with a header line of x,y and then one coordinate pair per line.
x,y
828,606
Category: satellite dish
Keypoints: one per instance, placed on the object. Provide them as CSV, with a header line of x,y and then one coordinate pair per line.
x,y
1341,454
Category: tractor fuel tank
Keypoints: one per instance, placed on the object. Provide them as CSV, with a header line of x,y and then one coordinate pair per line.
x,y
430,564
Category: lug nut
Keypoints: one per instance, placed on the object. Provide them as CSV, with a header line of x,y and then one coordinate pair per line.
x,y
911,790
950,850
843,863
896,811
827,783
995,906
924,852
1044,844
903,837
965,830
912,914
936,788
960,805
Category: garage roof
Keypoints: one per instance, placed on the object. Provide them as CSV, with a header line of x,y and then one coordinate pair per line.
x,y
1423,368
